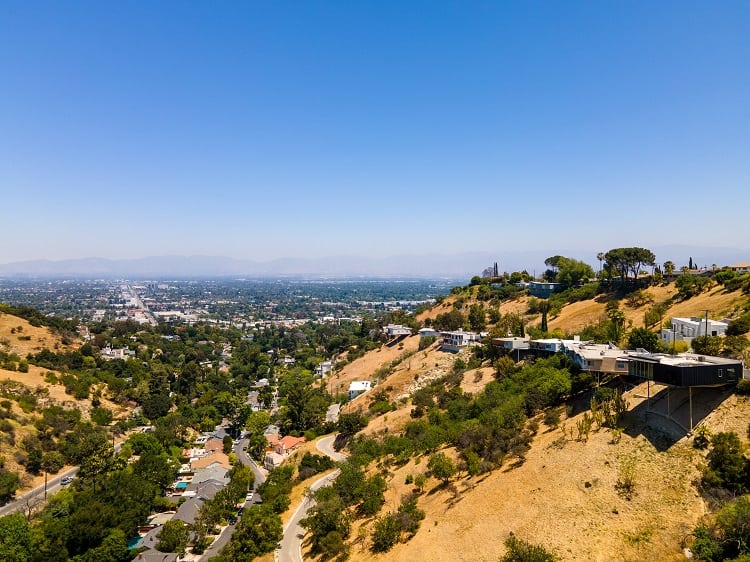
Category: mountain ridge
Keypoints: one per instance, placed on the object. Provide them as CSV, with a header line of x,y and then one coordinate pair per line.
x,y
461,265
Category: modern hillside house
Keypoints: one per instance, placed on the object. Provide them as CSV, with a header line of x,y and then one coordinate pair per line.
x,y
395,330
685,369
456,341
358,387
542,289
545,347
685,329
604,358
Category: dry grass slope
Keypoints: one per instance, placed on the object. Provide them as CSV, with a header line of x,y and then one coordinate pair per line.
x,y
563,495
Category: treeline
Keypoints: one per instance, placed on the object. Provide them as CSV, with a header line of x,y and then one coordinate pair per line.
x,y
37,318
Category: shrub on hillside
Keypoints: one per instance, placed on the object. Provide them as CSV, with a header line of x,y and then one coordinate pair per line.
x,y
743,387
739,326
521,551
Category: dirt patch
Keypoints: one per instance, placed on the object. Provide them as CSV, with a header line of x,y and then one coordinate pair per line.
x,y
27,339
476,379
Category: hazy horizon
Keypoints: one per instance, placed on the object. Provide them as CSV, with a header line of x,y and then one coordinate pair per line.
x,y
432,265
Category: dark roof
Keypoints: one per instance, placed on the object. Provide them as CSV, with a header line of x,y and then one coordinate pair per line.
x,y
156,556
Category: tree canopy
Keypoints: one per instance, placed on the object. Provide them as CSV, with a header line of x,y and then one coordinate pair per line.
x,y
628,262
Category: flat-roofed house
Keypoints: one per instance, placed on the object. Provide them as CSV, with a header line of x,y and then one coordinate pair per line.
x,y
358,387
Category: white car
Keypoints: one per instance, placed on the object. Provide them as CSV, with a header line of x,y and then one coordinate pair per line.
x,y
65,480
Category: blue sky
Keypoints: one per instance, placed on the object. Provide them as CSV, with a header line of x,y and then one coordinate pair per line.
x,y
301,129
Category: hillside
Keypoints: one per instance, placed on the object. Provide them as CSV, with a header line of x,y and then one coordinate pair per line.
x,y
719,303
564,497
563,492
28,393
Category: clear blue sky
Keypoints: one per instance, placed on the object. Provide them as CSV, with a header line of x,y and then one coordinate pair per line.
x,y
297,129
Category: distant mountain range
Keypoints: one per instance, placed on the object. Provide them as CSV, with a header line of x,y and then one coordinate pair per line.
x,y
456,266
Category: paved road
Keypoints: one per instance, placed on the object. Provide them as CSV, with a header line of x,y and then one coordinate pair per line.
x,y
291,544
34,499
260,477
244,458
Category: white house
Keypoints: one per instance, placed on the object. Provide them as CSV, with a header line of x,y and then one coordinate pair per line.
x,y
456,341
120,353
358,387
685,329
428,333
597,357
324,369
511,342
395,330
549,345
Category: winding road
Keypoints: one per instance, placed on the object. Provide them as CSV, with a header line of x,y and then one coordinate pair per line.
x,y
260,477
291,544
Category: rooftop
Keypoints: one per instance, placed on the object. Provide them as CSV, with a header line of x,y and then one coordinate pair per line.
x,y
682,359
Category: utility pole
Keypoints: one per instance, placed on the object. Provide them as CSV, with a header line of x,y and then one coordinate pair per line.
x,y
706,334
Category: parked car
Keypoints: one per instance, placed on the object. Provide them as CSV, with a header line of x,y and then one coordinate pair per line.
x,y
65,480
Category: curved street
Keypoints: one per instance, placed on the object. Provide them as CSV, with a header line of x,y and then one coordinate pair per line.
x,y
260,477
291,544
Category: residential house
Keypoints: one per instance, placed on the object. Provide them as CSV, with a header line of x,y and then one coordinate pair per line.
x,y
396,330
324,369
596,357
214,445
428,333
117,353
685,369
545,347
456,341
205,490
219,458
156,556
188,511
272,433
214,471
287,444
685,329
542,289
358,387
515,346
272,460
742,267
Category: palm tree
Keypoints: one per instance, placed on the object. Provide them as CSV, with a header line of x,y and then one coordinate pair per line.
x,y
600,257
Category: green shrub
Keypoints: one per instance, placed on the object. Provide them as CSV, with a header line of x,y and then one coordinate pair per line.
x,y
385,534
739,326
743,386
521,551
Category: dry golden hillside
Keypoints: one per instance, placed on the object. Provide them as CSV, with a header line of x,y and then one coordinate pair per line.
x,y
19,337
574,317
563,495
